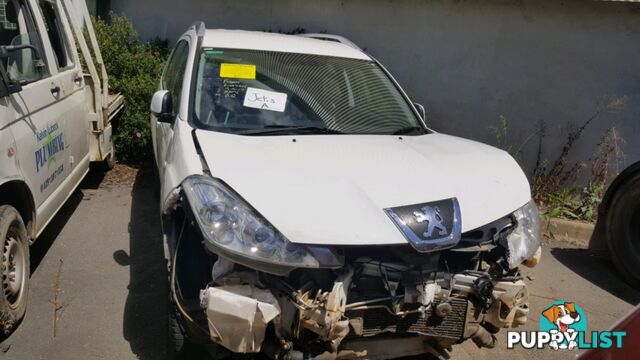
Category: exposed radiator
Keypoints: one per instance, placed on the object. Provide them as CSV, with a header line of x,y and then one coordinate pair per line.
x,y
377,321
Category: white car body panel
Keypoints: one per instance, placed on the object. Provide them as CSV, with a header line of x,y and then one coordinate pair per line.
x,y
332,189
182,160
240,39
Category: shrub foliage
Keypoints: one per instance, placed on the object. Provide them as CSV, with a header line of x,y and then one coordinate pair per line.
x,y
134,69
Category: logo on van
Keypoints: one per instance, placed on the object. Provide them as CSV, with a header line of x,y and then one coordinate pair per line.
x,y
52,145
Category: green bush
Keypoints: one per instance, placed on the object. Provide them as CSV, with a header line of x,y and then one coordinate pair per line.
x,y
134,69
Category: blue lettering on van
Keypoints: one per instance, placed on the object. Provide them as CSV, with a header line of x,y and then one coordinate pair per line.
x,y
51,178
46,155
42,134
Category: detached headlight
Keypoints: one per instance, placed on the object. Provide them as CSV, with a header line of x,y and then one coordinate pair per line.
x,y
524,241
232,228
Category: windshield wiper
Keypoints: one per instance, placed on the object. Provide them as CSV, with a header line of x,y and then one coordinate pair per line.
x,y
409,130
285,129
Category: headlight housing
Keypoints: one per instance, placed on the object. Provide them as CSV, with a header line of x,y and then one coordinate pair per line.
x,y
524,240
232,228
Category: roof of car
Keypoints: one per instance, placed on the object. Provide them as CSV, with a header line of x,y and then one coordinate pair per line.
x,y
258,40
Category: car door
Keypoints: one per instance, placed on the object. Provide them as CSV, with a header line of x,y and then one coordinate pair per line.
x,y
172,81
67,75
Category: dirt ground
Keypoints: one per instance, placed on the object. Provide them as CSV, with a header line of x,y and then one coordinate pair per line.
x,y
99,281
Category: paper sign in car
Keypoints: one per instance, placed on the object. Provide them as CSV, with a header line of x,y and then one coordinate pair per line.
x,y
238,71
265,99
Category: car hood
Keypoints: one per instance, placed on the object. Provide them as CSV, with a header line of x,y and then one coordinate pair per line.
x,y
332,189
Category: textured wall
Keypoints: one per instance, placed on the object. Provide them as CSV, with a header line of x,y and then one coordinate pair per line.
x,y
468,62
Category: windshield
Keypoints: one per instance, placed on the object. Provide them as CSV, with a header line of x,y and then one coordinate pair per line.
x,y
261,92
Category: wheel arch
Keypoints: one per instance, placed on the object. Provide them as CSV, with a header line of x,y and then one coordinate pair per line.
x,y
625,175
17,194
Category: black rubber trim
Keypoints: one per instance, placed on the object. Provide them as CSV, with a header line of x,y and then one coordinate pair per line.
x,y
203,160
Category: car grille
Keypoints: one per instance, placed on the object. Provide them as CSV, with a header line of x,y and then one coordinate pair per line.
x,y
377,321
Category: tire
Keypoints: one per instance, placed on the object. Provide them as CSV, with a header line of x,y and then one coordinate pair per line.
x,y
180,346
107,164
176,335
14,248
623,230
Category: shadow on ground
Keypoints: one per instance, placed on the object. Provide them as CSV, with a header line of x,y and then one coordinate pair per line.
x,y
597,269
145,313
41,246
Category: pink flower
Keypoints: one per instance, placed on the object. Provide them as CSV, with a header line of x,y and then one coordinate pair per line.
x,y
138,135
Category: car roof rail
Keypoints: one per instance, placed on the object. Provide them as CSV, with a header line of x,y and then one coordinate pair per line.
x,y
199,27
334,38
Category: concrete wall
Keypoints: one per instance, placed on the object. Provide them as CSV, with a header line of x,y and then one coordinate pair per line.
x,y
468,62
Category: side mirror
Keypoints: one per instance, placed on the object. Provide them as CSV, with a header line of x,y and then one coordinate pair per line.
x,y
162,106
15,86
421,111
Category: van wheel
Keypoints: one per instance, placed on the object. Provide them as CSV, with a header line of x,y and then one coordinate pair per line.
x,y
15,268
107,164
623,230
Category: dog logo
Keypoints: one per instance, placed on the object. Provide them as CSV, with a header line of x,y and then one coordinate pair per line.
x,y
564,318
434,221
563,326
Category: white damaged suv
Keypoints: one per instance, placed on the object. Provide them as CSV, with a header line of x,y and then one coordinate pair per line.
x,y
309,212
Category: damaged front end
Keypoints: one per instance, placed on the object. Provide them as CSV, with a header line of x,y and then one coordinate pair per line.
x,y
239,283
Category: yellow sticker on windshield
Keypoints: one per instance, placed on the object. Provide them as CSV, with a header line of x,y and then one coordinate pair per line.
x,y
238,71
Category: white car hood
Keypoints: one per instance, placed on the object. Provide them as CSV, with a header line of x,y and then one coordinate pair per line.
x,y
332,189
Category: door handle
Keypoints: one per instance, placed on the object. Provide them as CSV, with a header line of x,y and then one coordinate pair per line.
x,y
55,90
78,80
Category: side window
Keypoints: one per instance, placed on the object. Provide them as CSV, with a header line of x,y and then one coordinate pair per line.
x,y
18,28
174,74
55,29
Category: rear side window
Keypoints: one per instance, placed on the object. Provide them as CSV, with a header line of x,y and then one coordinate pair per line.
x,y
55,29
18,28
174,73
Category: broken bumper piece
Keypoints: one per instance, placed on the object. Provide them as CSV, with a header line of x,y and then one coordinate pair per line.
x,y
428,315
238,315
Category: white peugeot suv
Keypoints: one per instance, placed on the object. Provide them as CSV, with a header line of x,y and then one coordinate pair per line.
x,y
308,210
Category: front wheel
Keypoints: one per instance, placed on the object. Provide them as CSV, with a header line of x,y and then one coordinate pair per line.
x,y
15,268
623,230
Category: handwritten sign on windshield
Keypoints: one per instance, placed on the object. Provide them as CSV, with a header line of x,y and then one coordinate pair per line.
x,y
265,100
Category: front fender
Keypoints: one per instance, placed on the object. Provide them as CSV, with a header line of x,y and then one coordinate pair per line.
x,y
182,161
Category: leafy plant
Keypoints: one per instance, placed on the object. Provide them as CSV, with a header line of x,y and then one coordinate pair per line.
x,y
134,68
574,203
549,180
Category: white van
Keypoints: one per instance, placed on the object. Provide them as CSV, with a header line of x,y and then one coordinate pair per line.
x,y
54,121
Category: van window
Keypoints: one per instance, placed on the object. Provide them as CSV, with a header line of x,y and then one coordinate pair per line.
x,y
18,28
55,29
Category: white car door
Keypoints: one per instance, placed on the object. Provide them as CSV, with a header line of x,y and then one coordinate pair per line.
x,y
172,80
